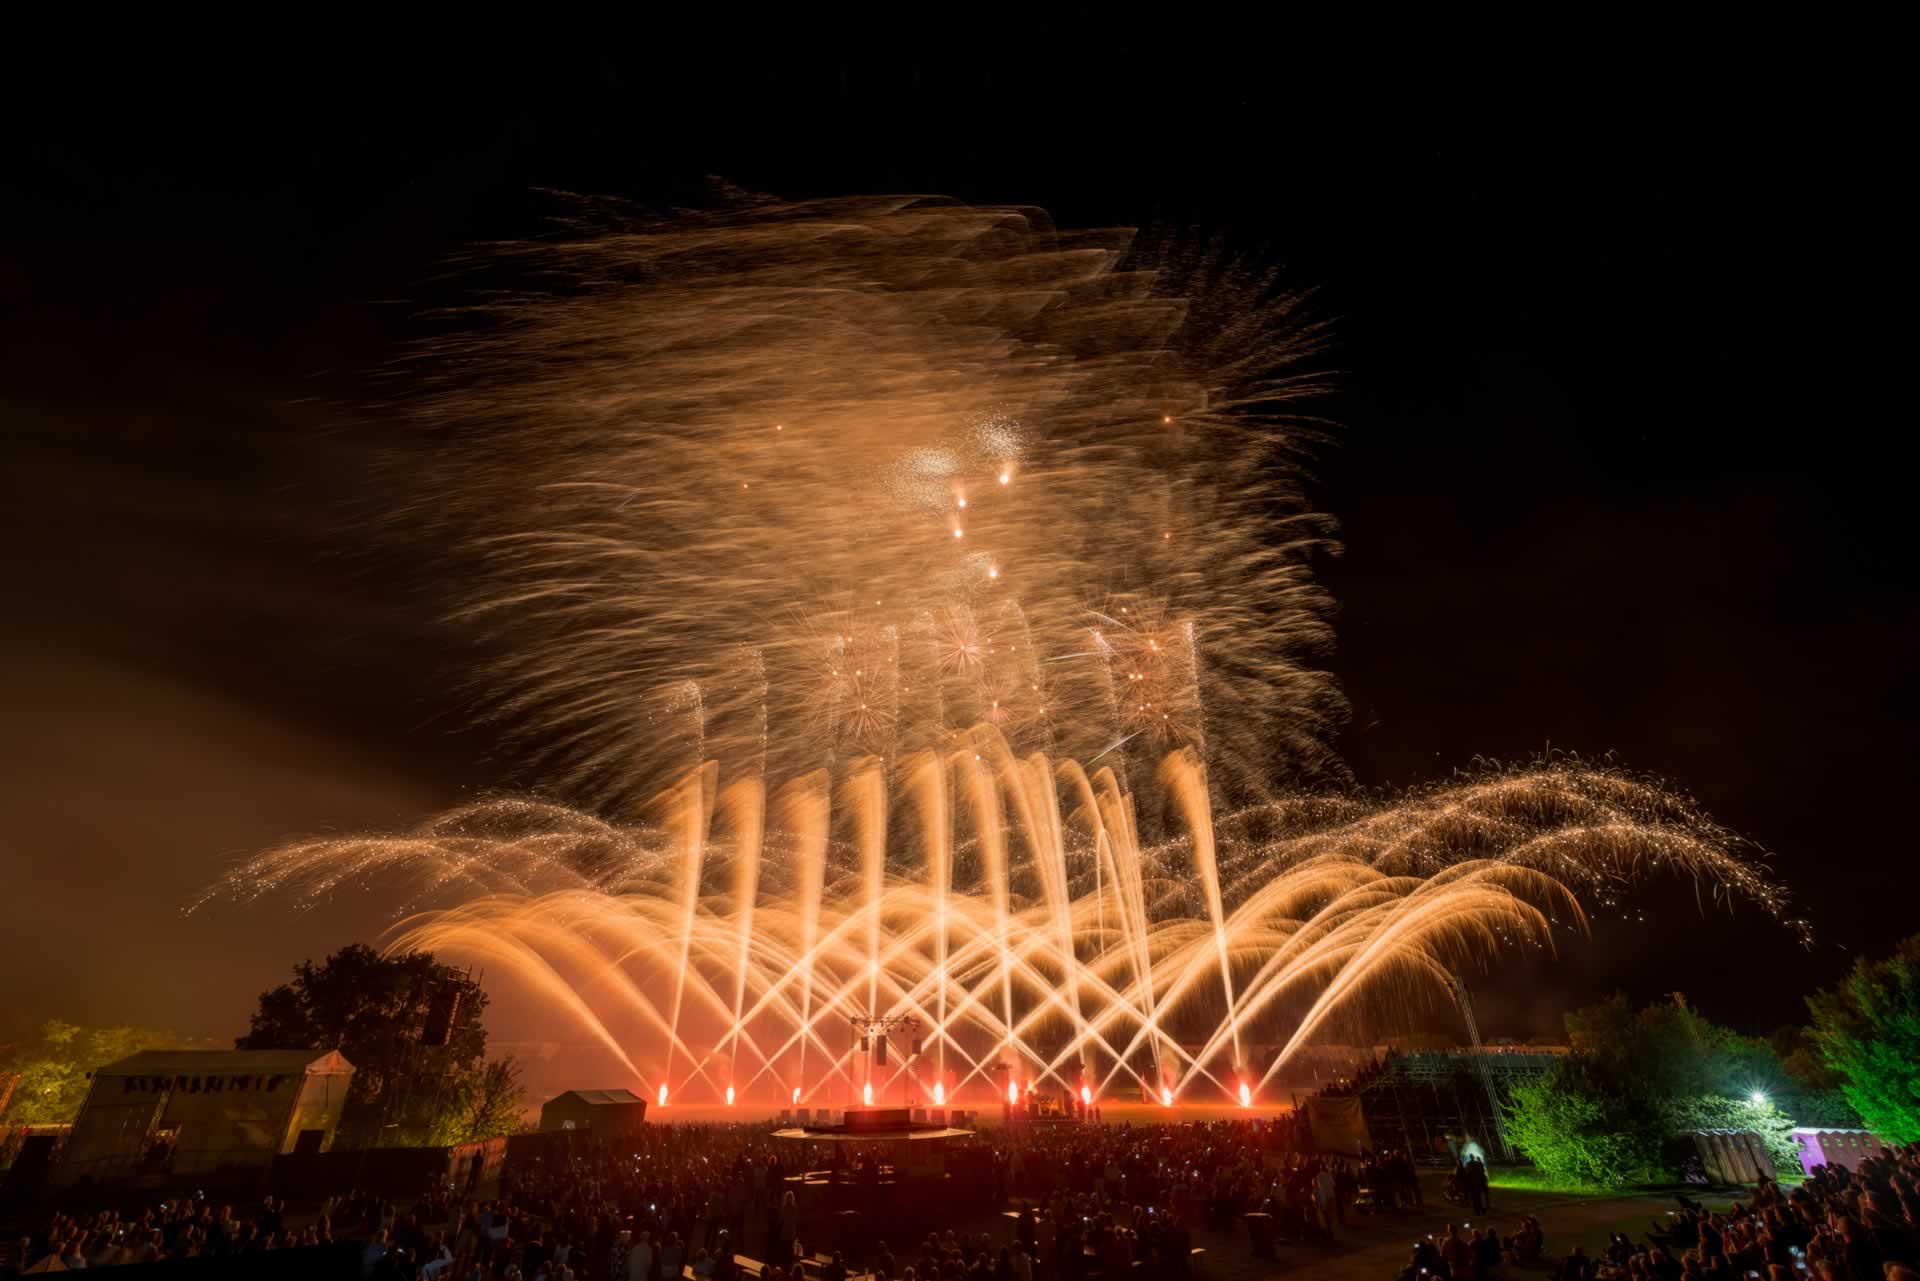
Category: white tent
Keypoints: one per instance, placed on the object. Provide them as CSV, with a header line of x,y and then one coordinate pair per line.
x,y
178,1112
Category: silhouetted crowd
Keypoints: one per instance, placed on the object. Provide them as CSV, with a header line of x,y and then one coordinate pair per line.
x,y
172,1230
718,1203
714,1201
1839,1225
1211,1172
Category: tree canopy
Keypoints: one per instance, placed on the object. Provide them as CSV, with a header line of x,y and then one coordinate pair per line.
x,y
372,1009
1576,1127
1867,1031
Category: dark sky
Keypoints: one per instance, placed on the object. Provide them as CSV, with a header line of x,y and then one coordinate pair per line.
x,y
1610,473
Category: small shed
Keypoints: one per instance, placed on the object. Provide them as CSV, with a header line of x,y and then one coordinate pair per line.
x,y
1733,1156
176,1113
1835,1147
595,1111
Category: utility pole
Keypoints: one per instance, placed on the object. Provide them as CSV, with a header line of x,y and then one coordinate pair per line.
x,y
1465,1003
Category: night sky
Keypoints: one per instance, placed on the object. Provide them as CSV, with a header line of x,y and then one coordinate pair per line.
x,y
1609,472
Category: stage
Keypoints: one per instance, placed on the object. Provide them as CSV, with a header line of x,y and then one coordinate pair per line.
x,y
988,1115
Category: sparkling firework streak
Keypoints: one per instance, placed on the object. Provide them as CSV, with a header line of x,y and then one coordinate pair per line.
x,y
788,486
1021,920
919,599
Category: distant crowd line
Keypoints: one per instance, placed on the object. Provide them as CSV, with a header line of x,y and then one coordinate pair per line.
x,y
714,1203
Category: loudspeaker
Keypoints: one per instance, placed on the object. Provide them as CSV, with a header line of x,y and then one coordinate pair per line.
x,y
913,1049
440,1015
880,1052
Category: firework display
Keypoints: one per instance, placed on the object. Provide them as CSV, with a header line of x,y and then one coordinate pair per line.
x,y
917,602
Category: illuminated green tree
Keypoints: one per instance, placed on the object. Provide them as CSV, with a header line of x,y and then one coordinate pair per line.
x,y
1577,1127
54,1071
1867,1028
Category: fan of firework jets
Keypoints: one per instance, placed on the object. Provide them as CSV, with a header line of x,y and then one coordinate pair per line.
x,y
906,587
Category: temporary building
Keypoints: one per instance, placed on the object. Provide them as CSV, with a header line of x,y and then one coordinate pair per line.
x,y
598,1111
1846,1148
189,1112
1733,1156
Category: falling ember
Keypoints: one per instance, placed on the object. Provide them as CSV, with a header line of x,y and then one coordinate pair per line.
x,y
866,1094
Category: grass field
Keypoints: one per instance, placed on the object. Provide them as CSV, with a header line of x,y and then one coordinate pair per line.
x,y
1528,1179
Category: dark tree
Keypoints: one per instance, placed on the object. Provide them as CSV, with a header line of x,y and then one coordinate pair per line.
x,y
373,1009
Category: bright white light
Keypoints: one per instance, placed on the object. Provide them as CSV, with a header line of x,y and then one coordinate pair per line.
x,y
663,1094
1246,1096
796,1094
866,1093
940,1093
1086,1096
729,1096
1013,1093
1005,477
1166,1097
1759,1097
